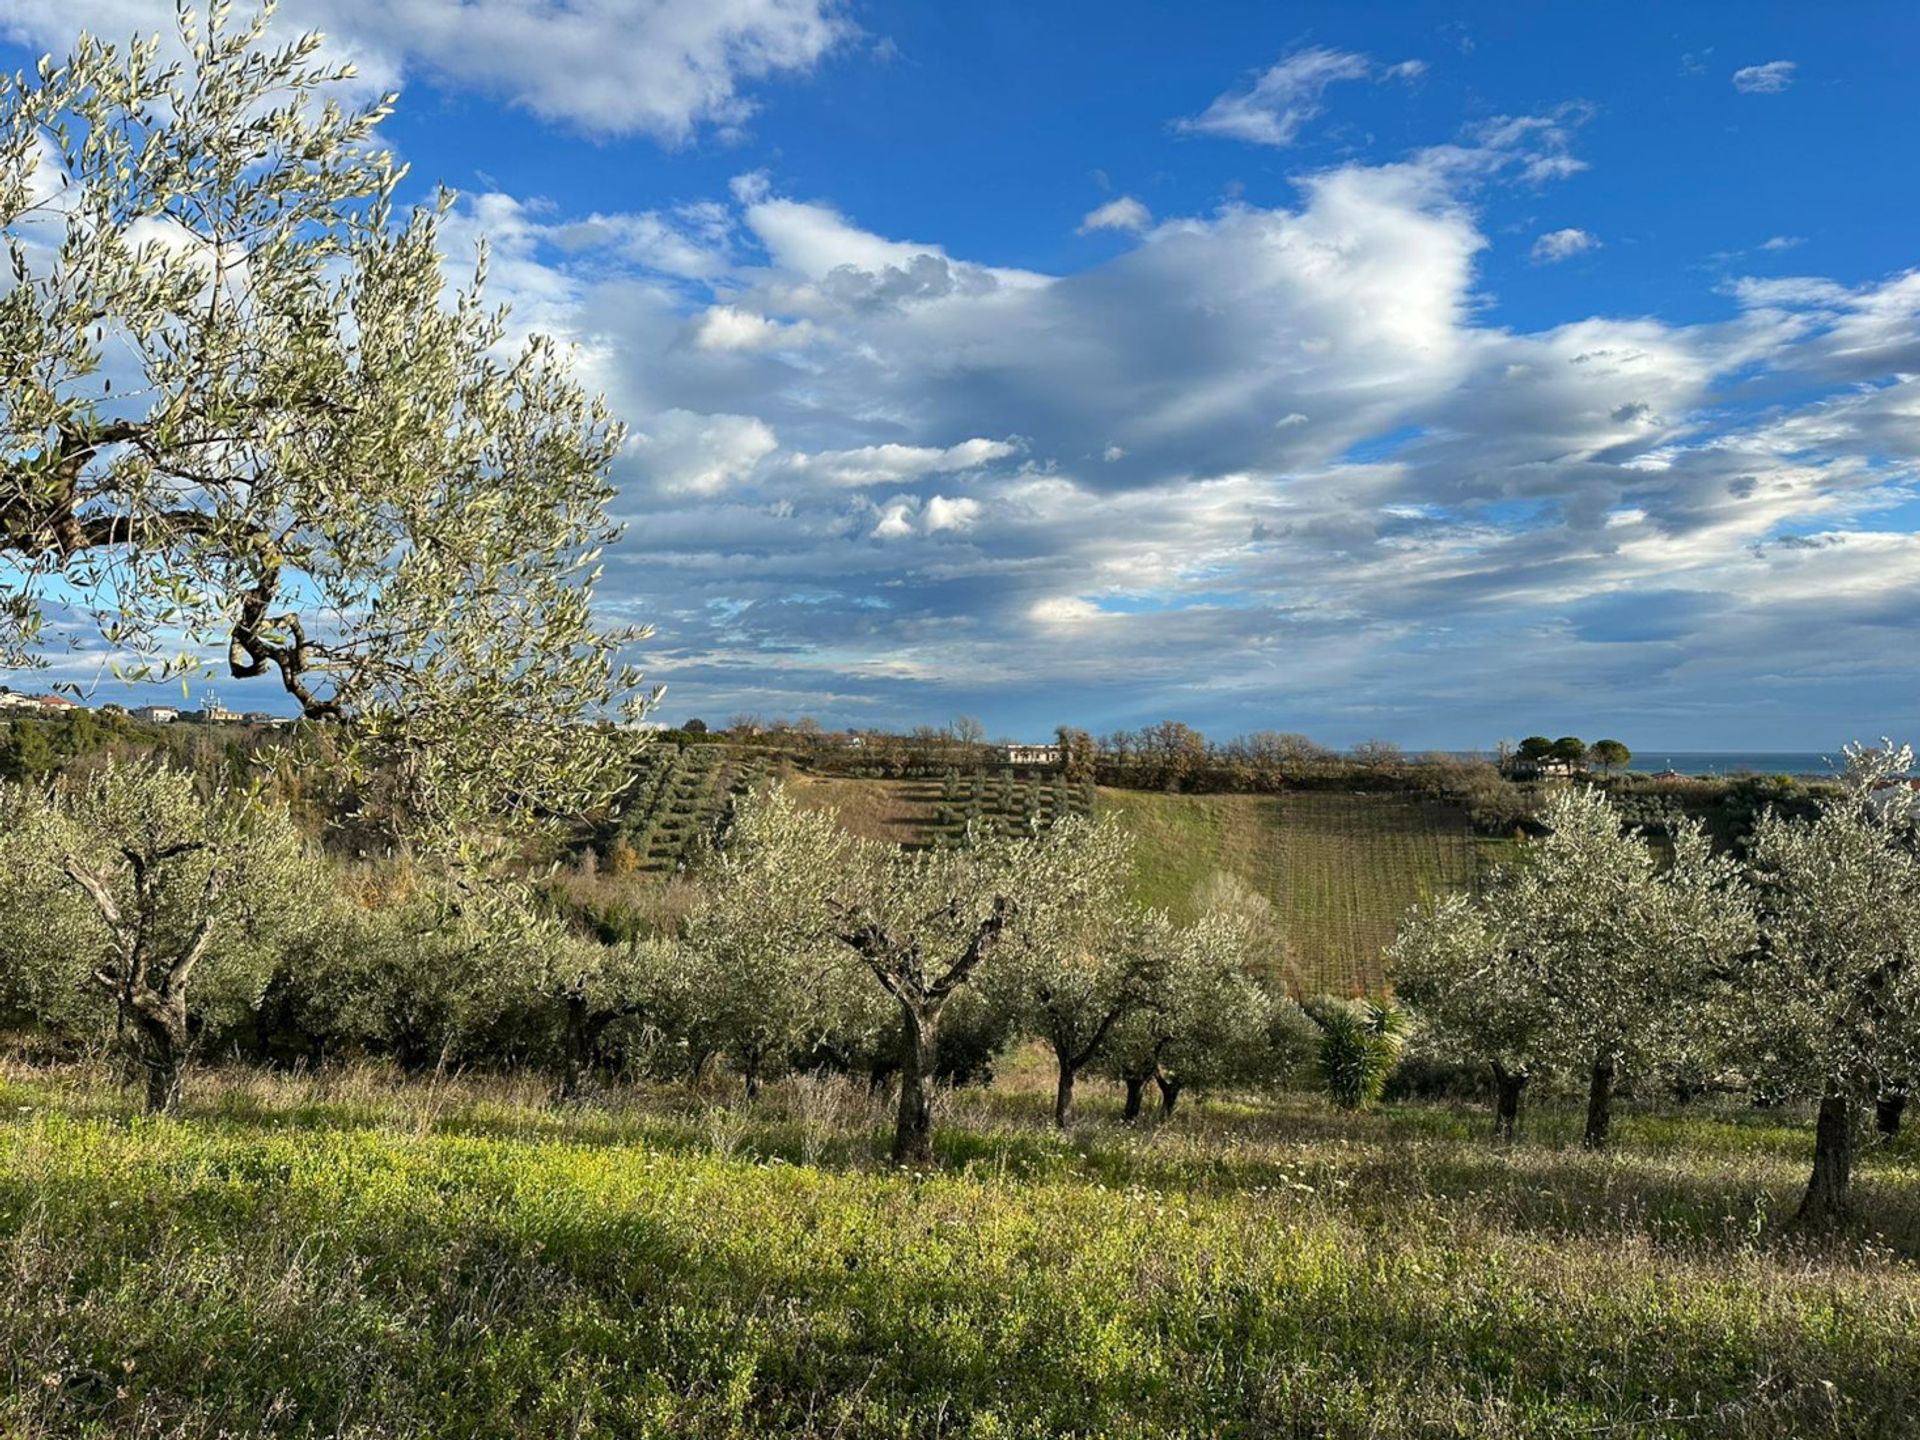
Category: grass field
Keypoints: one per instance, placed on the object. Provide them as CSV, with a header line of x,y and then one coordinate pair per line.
x,y
351,1255
1341,868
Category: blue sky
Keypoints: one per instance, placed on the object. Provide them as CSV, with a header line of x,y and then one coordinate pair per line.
x,y
1387,370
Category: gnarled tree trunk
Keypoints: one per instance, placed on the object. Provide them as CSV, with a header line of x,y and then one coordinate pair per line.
x,y
1887,1113
162,1031
1169,1094
1829,1199
1507,1085
919,1054
1599,1105
1063,1092
1136,1088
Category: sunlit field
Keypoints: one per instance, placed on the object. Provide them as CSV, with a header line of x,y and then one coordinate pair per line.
x,y
353,1254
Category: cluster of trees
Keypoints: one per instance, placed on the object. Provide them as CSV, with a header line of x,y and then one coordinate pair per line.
x,y
1794,971
138,900
1572,751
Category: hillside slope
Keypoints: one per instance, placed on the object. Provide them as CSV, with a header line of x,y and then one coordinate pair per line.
x,y
1340,869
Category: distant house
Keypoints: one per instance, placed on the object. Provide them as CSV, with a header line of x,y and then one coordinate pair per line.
x,y
1521,767
261,717
57,703
1031,754
156,714
11,700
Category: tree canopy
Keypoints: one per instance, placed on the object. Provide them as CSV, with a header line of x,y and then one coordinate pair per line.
x,y
244,416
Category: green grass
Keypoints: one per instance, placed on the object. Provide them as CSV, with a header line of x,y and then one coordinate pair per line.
x,y
346,1255
1342,868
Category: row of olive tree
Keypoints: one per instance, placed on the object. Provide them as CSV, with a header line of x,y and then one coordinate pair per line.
x,y
181,915
1598,956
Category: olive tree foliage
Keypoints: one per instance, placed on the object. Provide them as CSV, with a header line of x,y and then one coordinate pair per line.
x,y
1589,955
243,414
1453,965
167,901
1204,1020
760,947
924,922
1078,969
1828,1002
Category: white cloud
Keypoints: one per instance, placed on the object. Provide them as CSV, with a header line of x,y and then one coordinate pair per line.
x,y
1558,245
1061,610
1124,213
685,453
1287,95
893,464
1784,242
955,514
1768,79
659,68
896,522
728,327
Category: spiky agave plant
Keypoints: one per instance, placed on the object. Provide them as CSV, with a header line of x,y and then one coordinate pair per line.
x,y
1359,1044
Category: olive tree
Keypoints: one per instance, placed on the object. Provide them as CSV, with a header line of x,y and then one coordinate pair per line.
x,y
760,945
1080,968
924,922
1453,964
1586,954
153,891
244,415
1828,1003
1204,1018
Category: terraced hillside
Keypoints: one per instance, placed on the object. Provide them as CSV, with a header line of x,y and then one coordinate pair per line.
x,y
679,794
1340,869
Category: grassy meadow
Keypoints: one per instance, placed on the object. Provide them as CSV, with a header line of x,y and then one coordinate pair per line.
x,y
352,1254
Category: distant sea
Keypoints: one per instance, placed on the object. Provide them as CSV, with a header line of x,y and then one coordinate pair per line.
x,y
1737,762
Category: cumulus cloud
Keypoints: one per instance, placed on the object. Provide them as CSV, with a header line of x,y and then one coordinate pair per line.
x,y
1288,94
687,453
659,68
1124,213
1768,79
1558,245
895,464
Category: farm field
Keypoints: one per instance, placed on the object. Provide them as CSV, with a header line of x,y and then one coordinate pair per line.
x,y
348,1254
1340,868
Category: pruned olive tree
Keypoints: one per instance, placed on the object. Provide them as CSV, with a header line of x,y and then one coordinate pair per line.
x,y
1204,1019
1589,954
924,922
162,898
1454,964
1828,1003
1080,968
243,415
761,944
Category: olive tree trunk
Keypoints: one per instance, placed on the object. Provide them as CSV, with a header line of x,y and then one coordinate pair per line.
x,y
1136,1088
1887,1114
919,1056
1599,1106
1507,1085
162,1031
1828,1199
1169,1094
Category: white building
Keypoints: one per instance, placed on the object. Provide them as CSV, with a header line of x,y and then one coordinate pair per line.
x,y
157,714
1032,754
